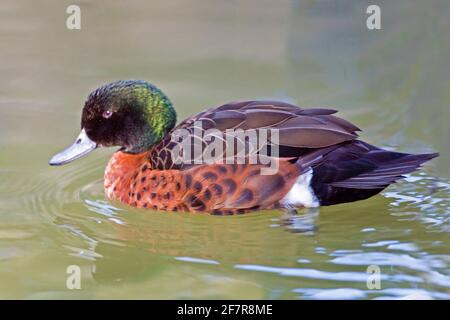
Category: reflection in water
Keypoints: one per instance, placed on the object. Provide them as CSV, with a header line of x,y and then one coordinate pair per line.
x,y
304,223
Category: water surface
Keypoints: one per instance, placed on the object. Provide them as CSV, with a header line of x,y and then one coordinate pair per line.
x,y
394,83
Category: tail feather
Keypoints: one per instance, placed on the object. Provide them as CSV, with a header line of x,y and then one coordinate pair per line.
x,y
357,170
387,172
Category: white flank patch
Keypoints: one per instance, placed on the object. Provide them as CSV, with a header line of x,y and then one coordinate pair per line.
x,y
301,193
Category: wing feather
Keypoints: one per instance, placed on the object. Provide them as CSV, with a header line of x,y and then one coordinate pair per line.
x,y
300,130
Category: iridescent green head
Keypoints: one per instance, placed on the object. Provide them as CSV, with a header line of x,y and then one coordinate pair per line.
x,y
132,114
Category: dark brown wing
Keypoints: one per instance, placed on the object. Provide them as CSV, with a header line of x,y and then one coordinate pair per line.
x,y
299,130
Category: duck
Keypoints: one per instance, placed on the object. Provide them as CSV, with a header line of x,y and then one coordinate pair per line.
x,y
312,157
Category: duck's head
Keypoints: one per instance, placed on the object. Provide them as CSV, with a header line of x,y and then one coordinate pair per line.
x,y
131,114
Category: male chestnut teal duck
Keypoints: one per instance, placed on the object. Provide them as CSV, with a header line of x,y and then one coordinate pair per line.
x,y
320,159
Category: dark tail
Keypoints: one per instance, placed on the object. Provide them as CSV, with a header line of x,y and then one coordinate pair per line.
x,y
357,171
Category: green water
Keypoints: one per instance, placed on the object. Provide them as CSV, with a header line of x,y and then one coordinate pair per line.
x,y
394,83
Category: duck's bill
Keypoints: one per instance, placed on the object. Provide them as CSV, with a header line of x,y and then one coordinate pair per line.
x,y
81,147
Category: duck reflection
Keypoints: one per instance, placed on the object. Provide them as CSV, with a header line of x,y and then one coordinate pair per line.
x,y
144,244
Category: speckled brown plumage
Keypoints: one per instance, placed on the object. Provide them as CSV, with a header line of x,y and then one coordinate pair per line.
x,y
218,188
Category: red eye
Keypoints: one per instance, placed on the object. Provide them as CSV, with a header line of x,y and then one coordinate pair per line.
x,y
107,114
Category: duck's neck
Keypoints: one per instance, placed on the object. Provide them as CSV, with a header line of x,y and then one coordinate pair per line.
x,y
159,115
120,171
162,115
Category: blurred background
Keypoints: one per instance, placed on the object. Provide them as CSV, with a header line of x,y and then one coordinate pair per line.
x,y
394,83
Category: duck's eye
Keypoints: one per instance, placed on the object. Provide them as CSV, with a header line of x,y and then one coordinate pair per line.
x,y
107,114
